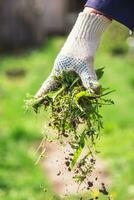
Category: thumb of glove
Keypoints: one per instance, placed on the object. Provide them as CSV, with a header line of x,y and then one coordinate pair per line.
x,y
47,86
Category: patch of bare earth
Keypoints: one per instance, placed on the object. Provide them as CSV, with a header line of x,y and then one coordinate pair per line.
x,y
62,179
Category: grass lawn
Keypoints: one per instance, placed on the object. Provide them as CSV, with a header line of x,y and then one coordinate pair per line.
x,y
20,132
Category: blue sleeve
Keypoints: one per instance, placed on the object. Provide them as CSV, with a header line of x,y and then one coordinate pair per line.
x,y
120,10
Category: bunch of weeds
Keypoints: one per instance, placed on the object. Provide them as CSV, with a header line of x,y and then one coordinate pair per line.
x,y
75,114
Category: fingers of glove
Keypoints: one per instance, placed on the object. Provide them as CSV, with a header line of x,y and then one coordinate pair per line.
x,y
47,86
89,81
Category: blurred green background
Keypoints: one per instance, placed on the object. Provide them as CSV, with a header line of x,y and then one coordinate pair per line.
x,y
23,72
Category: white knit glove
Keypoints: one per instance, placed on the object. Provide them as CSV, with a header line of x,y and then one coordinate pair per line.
x,y
78,52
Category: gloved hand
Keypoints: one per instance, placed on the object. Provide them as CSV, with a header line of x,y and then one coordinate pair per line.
x,y
78,52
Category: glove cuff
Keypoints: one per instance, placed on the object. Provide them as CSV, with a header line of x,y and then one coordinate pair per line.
x,y
90,26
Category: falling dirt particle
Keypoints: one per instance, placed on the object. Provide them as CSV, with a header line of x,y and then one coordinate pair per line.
x,y
69,169
49,124
103,190
96,178
90,184
65,135
59,173
92,161
67,163
71,154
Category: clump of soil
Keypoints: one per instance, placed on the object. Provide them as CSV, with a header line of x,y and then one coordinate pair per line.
x,y
75,115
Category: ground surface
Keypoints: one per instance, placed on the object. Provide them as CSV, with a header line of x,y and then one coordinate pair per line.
x,y
20,132
62,179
